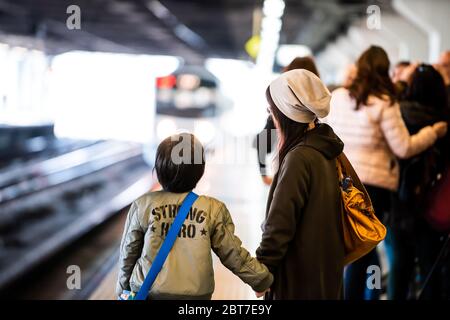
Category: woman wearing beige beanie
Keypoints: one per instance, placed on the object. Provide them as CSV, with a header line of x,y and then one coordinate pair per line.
x,y
302,239
266,140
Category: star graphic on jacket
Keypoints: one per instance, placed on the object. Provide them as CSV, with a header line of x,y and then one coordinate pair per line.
x,y
153,228
203,232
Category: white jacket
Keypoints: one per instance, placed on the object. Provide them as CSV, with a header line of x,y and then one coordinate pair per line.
x,y
374,136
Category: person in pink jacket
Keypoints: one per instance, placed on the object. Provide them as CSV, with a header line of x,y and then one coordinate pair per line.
x,y
366,116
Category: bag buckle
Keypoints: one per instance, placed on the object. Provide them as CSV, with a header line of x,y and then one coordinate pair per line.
x,y
346,183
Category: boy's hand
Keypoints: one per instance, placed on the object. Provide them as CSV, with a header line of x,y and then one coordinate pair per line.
x,y
261,294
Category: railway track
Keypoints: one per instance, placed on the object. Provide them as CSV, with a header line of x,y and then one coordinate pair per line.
x,y
47,205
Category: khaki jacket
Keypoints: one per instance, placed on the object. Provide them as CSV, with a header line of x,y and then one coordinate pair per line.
x,y
188,271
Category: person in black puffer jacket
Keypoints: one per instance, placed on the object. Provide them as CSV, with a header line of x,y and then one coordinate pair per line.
x,y
410,237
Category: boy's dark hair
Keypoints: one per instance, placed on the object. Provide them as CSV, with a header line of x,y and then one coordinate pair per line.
x,y
180,162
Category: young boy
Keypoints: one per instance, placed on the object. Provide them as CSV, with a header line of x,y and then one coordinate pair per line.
x,y
188,271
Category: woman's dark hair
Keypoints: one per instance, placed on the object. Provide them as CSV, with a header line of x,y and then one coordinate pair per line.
x,y
427,87
302,63
291,132
180,162
372,77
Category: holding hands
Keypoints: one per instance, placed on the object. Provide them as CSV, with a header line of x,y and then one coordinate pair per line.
x,y
261,294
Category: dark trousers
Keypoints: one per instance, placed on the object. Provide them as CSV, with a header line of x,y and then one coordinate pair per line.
x,y
402,254
355,277
421,246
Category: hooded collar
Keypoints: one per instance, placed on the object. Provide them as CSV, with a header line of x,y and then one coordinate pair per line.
x,y
323,139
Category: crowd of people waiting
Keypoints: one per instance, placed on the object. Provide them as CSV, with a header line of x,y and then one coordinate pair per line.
x,y
393,125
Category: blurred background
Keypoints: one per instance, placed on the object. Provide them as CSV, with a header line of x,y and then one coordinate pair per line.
x,y
89,87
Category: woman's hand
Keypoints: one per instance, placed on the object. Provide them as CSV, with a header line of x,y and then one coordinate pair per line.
x,y
261,294
440,128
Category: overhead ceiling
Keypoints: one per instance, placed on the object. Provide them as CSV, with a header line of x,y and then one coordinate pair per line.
x,y
192,29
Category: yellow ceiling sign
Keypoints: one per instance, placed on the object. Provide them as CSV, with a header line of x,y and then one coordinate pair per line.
x,y
252,46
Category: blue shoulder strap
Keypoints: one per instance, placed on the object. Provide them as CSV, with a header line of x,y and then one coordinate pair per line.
x,y
166,246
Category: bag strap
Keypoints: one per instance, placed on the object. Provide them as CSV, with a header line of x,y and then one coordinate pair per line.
x,y
340,172
166,246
